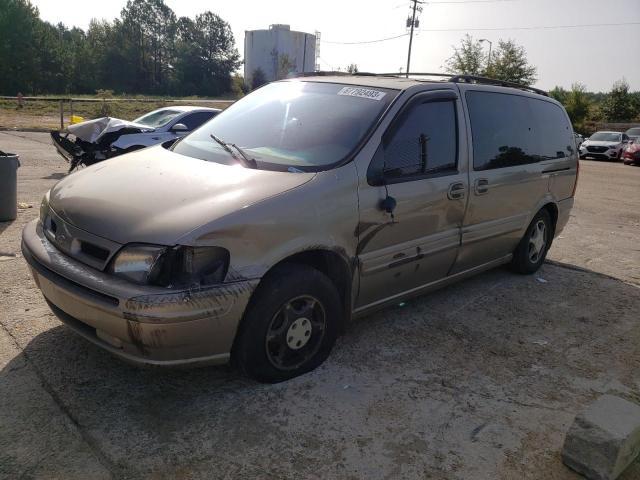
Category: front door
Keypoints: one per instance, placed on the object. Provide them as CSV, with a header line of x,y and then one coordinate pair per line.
x,y
412,200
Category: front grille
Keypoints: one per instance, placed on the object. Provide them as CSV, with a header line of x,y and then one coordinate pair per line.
x,y
597,149
94,251
83,246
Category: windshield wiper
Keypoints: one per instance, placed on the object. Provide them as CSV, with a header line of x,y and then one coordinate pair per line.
x,y
244,160
248,161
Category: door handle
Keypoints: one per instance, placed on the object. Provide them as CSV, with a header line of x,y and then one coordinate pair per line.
x,y
456,191
481,186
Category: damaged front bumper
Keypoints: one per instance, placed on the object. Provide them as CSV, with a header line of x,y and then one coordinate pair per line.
x,y
140,324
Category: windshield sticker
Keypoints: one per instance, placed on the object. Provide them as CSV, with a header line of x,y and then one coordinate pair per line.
x,y
362,93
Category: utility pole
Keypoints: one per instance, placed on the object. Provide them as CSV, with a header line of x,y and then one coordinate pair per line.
x,y
413,24
482,40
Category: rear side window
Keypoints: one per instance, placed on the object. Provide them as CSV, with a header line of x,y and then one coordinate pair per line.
x,y
501,129
552,131
424,141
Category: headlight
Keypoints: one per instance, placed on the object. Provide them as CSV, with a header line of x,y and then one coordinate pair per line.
x,y
172,267
44,207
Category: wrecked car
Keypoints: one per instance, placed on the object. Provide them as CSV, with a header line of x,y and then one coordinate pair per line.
x,y
95,140
305,204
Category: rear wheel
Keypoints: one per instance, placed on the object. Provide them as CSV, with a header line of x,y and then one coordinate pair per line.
x,y
532,249
290,325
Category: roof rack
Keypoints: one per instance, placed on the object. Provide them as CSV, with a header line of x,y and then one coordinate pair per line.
x,y
451,78
493,81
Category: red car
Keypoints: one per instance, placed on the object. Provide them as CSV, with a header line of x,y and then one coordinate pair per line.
x,y
631,153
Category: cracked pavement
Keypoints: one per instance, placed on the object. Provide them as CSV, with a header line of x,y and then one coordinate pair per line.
x,y
478,380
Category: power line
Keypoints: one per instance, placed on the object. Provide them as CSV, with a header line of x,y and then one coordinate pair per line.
x,y
367,41
472,1
541,27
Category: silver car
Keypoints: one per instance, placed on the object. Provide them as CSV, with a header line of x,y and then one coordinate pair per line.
x,y
96,140
261,235
604,146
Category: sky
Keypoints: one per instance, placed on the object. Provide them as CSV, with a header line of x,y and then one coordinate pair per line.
x,y
595,56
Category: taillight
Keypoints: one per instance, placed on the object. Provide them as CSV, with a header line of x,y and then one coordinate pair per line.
x,y
575,185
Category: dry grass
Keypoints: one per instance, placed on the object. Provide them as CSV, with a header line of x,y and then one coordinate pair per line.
x,y
45,114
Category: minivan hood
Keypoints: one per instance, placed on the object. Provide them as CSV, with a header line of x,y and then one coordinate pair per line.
x,y
157,196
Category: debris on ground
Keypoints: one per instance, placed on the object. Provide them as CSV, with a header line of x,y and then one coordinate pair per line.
x,y
604,439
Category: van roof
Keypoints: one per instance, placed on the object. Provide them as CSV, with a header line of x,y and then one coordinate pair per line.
x,y
399,81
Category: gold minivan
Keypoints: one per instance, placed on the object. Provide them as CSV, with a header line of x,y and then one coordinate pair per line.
x,y
308,202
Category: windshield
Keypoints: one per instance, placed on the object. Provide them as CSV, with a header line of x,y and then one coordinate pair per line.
x,y
289,125
606,137
633,132
157,118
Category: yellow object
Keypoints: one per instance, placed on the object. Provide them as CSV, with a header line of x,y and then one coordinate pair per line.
x,y
76,119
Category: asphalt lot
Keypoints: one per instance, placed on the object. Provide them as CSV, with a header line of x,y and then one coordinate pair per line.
x,y
480,380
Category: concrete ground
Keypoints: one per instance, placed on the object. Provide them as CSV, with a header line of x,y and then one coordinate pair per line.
x,y
480,380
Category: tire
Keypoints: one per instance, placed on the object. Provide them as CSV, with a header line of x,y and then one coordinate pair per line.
x,y
531,251
290,325
582,157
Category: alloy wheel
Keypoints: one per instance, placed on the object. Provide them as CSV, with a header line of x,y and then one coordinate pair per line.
x,y
537,241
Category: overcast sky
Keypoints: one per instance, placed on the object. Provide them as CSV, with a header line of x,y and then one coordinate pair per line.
x,y
595,56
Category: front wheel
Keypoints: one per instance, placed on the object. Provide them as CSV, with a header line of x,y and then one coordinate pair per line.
x,y
532,249
290,325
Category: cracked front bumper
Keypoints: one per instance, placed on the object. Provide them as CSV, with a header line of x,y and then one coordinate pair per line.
x,y
141,324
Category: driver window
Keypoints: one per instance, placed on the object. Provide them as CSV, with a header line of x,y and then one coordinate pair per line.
x,y
424,142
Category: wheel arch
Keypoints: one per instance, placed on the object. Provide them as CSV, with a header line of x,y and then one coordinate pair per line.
x,y
330,262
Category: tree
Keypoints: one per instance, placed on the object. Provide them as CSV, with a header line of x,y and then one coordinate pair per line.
x,y
578,106
352,68
620,105
510,63
207,55
468,59
258,78
19,55
576,102
284,65
146,50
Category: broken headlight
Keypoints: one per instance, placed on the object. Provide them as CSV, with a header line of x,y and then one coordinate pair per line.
x,y
171,267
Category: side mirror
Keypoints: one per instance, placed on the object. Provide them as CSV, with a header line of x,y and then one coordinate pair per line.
x,y
179,127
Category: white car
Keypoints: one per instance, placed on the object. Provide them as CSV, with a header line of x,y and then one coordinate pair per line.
x,y
604,145
92,141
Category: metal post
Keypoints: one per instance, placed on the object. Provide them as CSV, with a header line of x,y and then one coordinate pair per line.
x,y
489,57
61,114
413,22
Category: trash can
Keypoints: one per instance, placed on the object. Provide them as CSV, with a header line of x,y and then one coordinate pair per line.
x,y
9,163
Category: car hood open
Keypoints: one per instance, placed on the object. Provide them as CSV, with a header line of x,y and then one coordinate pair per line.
x,y
158,196
93,130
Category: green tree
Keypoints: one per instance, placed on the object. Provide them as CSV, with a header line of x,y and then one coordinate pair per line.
x,y
468,58
284,65
509,63
258,78
620,105
578,106
576,102
19,54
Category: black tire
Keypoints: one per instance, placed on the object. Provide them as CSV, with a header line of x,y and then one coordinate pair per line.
x,y
530,254
282,303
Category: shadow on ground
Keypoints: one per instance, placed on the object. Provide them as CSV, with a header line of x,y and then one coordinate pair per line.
x,y
479,380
